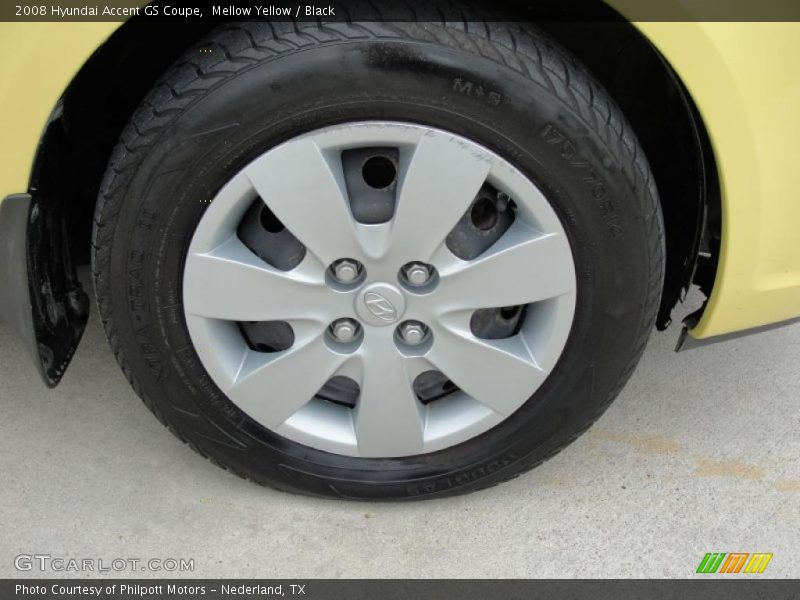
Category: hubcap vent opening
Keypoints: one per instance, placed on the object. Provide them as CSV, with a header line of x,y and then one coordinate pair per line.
x,y
340,390
490,215
433,385
267,336
267,237
370,175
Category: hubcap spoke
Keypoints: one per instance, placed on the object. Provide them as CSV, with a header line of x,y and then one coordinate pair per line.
x,y
500,374
389,418
522,267
441,180
305,189
271,388
232,283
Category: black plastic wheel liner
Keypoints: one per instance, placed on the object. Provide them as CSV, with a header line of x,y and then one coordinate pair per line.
x,y
53,311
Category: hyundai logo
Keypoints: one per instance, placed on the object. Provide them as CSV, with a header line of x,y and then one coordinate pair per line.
x,y
379,306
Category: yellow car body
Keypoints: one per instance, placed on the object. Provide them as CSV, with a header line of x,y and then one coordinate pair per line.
x,y
741,76
746,86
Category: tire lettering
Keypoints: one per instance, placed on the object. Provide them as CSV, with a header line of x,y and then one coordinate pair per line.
x,y
475,90
463,478
568,150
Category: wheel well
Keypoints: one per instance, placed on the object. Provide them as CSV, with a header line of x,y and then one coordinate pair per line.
x,y
93,111
675,141
97,104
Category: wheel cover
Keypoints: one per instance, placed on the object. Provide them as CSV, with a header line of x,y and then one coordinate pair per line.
x,y
438,176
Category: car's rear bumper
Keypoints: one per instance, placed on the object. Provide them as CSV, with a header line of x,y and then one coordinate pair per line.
x,y
16,311
40,299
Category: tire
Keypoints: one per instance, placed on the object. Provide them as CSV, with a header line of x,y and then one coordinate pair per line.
x,y
250,87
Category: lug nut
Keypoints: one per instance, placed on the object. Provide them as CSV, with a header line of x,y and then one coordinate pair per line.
x,y
417,273
344,330
346,270
412,332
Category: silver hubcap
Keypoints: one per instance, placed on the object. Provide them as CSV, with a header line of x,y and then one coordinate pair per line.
x,y
380,304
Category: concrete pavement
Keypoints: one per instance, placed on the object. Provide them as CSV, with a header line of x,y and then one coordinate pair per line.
x,y
698,454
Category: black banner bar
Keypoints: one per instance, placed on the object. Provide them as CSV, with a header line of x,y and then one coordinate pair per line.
x,y
405,589
400,10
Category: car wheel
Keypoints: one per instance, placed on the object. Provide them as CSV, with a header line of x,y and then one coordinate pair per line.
x,y
376,260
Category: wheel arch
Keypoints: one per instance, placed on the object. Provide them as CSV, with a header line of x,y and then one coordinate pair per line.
x,y
87,121
672,133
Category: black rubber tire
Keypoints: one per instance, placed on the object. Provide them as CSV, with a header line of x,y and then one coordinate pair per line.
x,y
250,86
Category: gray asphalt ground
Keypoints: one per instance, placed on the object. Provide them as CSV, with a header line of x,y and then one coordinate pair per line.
x,y
698,454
